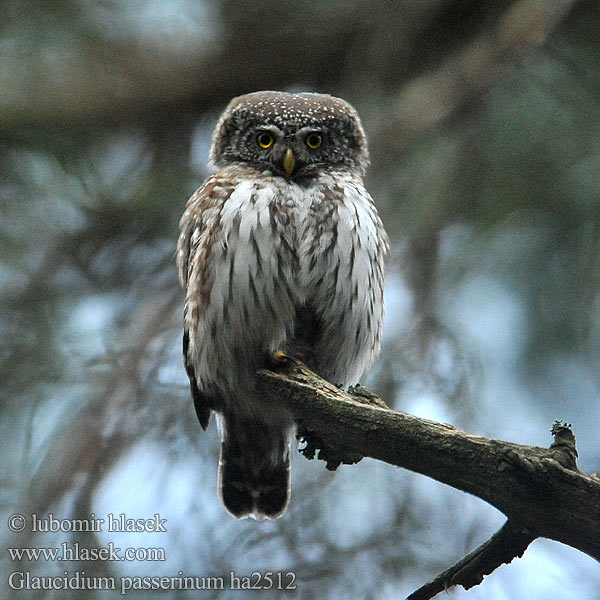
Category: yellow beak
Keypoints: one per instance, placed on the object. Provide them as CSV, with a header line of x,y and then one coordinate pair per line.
x,y
289,161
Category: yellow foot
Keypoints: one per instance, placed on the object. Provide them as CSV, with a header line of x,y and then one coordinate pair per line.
x,y
280,358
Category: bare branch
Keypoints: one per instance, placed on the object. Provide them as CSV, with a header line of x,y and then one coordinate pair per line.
x,y
539,489
507,543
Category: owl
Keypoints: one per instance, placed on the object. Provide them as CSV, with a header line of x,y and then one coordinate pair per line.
x,y
281,249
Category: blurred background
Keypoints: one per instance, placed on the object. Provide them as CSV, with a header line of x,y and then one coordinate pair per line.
x,y
485,141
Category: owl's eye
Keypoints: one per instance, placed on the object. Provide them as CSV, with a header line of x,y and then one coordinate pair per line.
x,y
265,140
313,140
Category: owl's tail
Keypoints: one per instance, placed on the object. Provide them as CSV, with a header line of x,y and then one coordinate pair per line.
x,y
254,469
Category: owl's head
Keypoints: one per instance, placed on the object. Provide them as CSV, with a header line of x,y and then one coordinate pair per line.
x,y
296,136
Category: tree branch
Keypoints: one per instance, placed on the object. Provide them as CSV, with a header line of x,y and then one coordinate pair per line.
x,y
435,96
507,543
540,490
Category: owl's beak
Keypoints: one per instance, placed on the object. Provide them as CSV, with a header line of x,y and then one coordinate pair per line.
x,y
289,161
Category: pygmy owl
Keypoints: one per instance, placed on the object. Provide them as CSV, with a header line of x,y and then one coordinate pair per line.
x,y
281,249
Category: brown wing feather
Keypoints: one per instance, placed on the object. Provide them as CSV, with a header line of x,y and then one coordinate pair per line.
x,y
201,400
191,255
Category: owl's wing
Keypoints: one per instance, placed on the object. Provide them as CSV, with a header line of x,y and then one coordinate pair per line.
x,y
191,250
201,400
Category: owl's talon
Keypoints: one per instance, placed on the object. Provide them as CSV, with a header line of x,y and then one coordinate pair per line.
x,y
280,358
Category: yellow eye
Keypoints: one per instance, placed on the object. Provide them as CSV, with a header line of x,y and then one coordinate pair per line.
x,y
313,140
265,140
